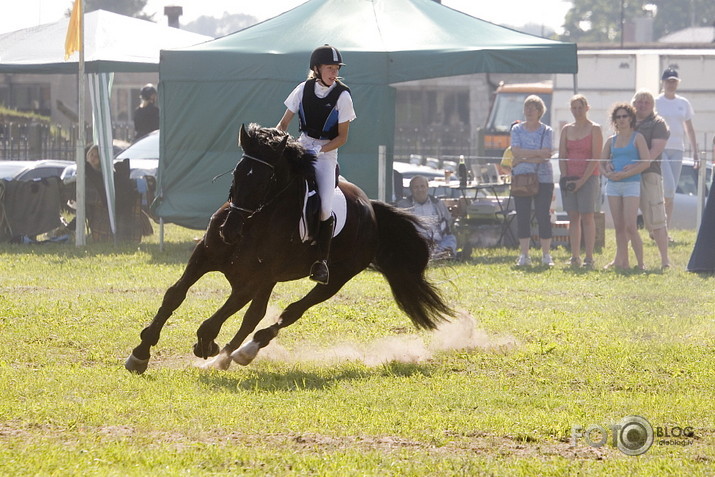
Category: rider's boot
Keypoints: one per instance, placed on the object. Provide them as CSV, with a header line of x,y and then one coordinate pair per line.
x,y
319,271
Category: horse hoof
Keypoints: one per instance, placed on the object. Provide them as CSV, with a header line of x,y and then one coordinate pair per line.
x,y
136,365
199,351
246,353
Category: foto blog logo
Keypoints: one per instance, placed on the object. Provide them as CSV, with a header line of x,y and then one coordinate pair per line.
x,y
632,436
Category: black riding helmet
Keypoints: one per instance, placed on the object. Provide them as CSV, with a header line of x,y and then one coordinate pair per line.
x,y
326,55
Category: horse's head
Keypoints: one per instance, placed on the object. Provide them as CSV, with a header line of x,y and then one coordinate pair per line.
x,y
254,179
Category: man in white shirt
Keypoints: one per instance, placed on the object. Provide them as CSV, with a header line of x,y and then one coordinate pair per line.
x,y
678,113
434,215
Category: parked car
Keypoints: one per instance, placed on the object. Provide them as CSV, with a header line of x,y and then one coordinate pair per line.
x,y
32,170
684,203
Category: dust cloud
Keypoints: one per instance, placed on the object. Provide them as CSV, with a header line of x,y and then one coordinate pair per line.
x,y
462,333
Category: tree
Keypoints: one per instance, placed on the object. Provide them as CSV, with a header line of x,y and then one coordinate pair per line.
x,y
216,27
674,15
600,20
130,8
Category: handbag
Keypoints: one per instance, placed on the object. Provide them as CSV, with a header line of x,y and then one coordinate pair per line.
x,y
525,185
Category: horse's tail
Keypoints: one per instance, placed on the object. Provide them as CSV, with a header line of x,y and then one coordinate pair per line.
x,y
402,256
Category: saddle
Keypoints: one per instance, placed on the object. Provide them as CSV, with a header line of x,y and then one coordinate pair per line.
x,y
310,216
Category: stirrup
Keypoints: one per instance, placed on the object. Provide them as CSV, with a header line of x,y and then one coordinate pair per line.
x,y
319,272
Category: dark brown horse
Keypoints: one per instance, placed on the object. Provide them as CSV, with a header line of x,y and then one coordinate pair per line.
x,y
254,241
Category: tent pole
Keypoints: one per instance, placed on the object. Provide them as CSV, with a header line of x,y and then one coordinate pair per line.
x,y
381,169
161,234
80,238
575,83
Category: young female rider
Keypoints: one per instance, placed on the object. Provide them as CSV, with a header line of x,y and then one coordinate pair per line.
x,y
325,108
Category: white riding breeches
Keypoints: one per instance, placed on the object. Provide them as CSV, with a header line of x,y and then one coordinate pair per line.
x,y
325,167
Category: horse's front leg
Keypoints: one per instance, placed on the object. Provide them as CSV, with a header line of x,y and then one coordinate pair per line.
x,y
205,346
256,311
138,361
247,353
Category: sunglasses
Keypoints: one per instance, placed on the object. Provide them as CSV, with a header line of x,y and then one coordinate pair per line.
x,y
621,116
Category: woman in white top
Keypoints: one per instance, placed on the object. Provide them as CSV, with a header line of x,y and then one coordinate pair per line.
x,y
325,108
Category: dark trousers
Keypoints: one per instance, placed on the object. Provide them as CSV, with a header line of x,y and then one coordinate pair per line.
x,y
541,206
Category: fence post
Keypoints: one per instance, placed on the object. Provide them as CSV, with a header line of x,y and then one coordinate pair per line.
x,y
381,171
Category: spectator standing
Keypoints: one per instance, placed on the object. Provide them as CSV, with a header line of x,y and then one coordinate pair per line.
x,y
678,113
531,142
628,155
579,153
146,116
434,215
652,203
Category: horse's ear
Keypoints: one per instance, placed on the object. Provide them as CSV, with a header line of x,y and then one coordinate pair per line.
x,y
281,147
242,136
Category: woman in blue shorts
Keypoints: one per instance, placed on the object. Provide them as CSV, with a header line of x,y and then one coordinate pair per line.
x,y
629,156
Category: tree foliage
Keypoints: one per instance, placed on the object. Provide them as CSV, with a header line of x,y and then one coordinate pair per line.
x,y
674,15
130,8
600,20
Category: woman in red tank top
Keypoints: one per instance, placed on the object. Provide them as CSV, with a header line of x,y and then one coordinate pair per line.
x,y
580,147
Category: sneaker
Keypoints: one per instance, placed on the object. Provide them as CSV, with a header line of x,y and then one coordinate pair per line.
x,y
523,261
547,260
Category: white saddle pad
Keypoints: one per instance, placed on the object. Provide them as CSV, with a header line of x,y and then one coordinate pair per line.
x,y
340,209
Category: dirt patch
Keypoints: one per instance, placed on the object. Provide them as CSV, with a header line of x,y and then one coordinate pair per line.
x,y
463,444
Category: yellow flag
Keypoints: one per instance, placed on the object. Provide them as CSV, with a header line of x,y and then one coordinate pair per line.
x,y
72,39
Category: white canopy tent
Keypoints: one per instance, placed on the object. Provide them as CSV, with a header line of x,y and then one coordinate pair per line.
x,y
112,43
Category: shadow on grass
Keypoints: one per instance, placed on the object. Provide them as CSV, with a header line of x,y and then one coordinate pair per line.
x,y
300,380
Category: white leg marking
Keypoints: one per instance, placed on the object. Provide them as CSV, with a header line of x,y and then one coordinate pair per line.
x,y
221,361
246,353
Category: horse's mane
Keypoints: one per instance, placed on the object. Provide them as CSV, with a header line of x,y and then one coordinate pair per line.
x,y
301,162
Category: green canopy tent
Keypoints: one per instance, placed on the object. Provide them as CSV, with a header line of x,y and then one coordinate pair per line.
x,y
209,90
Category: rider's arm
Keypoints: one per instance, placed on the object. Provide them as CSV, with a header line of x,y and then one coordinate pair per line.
x,y
340,139
285,120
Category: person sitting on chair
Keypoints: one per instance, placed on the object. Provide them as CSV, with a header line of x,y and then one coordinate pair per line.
x,y
434,215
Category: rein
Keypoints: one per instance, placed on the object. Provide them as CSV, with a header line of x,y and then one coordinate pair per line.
x,y
251,213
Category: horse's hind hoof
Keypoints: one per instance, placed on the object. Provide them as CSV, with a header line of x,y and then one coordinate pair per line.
x,y
246,353
136,365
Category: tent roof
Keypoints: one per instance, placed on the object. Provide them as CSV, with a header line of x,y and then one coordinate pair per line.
x,y
405,31
209,89
112,43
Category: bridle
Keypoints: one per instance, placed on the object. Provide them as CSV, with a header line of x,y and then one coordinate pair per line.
x,y
263,202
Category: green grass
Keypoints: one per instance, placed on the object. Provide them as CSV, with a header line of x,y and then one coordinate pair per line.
x,y
351,388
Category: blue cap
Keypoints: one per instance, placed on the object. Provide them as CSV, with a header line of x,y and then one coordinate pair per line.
x,y
670,73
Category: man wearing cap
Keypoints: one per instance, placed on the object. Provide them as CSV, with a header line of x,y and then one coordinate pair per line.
x,y
678,113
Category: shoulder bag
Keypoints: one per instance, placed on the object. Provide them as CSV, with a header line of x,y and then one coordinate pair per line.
x,y
526,185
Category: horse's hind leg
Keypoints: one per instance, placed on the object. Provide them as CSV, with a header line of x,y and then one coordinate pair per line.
x,y
246,353
173,297
256,311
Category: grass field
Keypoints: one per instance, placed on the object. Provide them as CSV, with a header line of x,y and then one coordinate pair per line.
x,y
352,388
